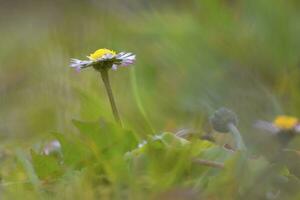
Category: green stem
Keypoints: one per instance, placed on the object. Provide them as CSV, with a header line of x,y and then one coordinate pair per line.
x,y
105,79
237,137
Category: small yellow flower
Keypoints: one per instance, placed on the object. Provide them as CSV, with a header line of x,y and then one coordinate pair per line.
x,y
101,52
285,122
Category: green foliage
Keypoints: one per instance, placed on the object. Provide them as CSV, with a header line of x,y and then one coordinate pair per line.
x,y
47,168
109,162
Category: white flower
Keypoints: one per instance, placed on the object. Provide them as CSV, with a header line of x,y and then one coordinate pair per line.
x,y
104,58
51,147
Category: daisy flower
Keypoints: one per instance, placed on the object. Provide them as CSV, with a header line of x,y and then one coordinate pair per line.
x,y
285,128
281,123
104,58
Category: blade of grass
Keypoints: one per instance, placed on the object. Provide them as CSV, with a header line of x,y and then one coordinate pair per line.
x,y
33,178
138,99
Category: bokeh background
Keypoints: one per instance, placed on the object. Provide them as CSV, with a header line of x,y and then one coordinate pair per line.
x,y
193,57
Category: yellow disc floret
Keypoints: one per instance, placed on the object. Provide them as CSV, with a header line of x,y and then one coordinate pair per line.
x,y
100,52
285,122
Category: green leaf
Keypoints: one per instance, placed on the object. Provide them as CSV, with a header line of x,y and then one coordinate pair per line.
x,y
74,151
46,167
106,137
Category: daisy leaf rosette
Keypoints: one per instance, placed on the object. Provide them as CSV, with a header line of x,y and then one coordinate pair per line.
x,y
104,59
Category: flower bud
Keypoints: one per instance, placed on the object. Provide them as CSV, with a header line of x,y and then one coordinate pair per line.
x,y
222,118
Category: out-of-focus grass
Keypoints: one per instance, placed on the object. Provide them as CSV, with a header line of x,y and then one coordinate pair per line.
x,y
192,58
190,61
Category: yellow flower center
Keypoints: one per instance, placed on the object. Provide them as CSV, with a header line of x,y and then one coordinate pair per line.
x,y
285,122
100,52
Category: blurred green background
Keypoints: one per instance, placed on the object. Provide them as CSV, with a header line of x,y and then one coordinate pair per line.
x,y
192,57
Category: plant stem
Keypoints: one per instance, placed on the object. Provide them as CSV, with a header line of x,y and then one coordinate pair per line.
x,y
209,163
237,137
105,79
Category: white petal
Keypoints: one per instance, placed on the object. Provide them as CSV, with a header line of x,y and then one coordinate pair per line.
x,y
266,126
120,54
124,55
130,57
79,64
